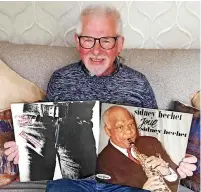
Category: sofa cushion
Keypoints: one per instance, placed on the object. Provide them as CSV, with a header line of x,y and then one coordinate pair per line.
x,y
15,88
8,171
193,146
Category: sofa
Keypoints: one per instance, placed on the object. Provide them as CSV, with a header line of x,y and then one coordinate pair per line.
x,y
173,75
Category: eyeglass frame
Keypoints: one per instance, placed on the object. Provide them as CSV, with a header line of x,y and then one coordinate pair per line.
x,y
95,39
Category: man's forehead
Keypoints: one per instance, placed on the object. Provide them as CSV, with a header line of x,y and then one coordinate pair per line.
x,y
99,25
120,113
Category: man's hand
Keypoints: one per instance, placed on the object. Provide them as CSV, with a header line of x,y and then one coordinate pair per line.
x,y
187,166
11,151
153,183
161,165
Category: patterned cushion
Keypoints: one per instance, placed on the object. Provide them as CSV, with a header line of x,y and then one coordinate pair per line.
x,y
8,170
193,146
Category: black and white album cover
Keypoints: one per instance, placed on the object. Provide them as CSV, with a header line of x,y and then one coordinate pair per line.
x,y
56,139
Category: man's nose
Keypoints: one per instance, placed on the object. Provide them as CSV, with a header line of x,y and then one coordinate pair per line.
x,y
97,48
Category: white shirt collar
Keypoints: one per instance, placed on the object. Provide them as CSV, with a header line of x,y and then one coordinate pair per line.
x,y
123,150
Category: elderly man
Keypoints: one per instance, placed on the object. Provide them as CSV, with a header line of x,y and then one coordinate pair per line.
x,y
99,75
122,163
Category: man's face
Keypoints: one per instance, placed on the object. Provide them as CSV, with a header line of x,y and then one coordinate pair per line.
x,y
121,127
98,60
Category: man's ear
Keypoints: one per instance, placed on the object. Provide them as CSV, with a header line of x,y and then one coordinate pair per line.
x,y
107,130
120,43
76,41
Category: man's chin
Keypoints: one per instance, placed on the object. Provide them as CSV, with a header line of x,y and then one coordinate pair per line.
x,y
125,145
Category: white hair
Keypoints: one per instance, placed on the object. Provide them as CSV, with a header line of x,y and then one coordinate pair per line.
x,y
98,10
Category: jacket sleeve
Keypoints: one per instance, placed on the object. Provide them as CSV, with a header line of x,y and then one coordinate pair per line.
x,y
164,155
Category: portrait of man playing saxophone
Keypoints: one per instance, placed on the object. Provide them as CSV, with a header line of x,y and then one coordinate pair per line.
x,y
133,160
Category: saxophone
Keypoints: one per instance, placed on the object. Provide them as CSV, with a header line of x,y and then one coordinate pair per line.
x,y
150,172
